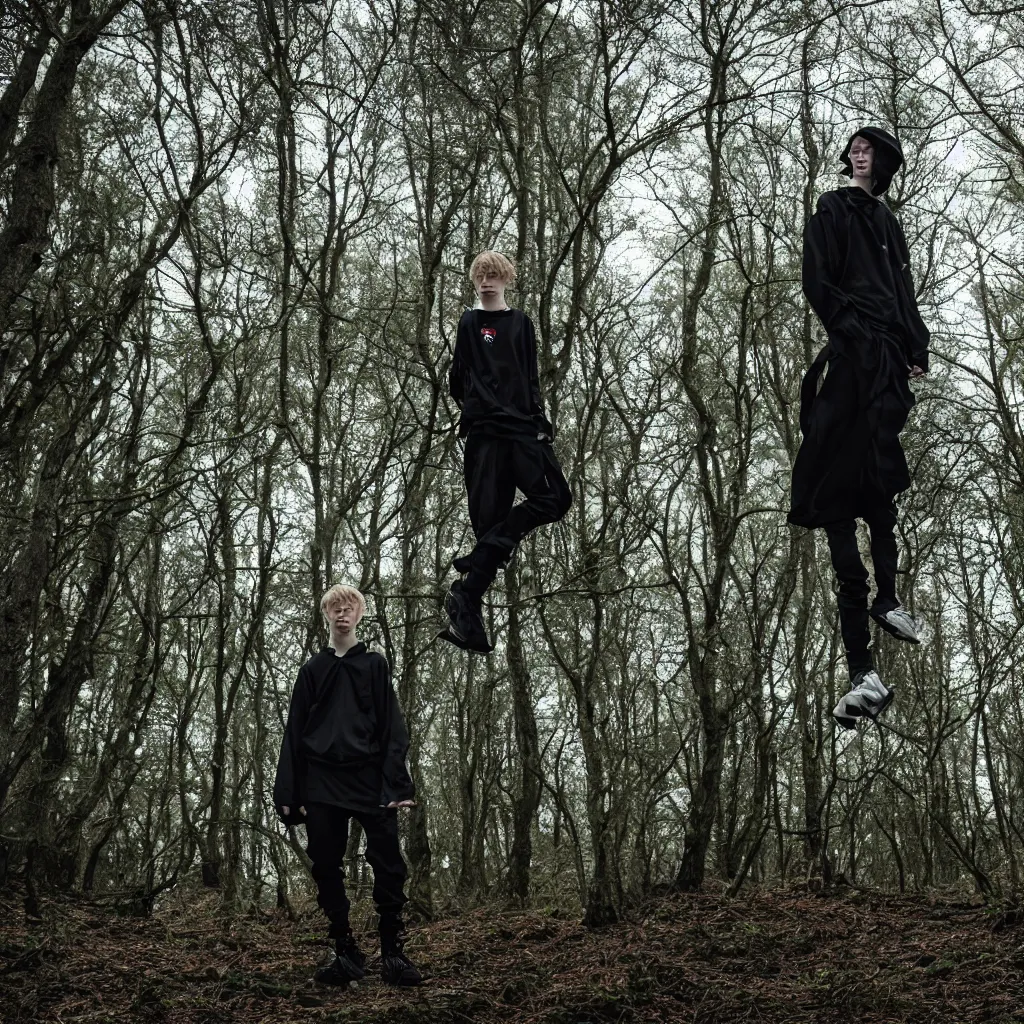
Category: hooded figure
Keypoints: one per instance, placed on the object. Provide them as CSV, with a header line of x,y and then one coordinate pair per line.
x,y
888,157
856,276
851,465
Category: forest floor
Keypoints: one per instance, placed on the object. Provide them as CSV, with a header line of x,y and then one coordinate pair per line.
x,y
770,956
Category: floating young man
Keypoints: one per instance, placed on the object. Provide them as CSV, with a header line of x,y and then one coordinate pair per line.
x,y
851,465
494,380
343,757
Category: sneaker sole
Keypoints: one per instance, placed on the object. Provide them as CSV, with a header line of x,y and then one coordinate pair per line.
x,y
455,638
335,982
451,633
886,701
351,986
842,718
893,631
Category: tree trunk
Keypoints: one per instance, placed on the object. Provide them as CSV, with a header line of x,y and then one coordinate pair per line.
x,y
526,799
25,239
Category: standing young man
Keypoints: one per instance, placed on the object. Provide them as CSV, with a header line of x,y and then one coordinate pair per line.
x,y
343,757
851,465
494,380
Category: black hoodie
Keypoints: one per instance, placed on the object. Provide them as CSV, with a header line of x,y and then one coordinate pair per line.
x,y
494,376
345,740
856,265
857,278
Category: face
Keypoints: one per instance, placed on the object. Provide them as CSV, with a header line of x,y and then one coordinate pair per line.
x,y
343,618
488,283
862,156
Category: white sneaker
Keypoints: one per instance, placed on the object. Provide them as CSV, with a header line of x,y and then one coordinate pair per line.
x,y
900,623
868,698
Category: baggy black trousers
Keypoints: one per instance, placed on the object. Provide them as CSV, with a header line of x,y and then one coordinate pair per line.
x,y
494,468
326,839
852,579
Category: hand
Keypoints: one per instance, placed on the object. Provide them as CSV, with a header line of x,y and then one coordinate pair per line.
x,y
287,810
915,371
401,803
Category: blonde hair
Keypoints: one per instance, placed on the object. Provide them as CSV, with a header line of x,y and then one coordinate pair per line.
x,y
342,594
492,262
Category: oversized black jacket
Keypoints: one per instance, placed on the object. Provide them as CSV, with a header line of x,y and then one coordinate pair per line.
x,y
856,264
494,375
345,740
856,276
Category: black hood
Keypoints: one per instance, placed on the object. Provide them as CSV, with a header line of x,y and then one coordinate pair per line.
x,y
888,157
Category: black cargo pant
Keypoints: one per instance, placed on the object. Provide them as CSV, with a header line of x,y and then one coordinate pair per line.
x,y
852,579
326,839
494,468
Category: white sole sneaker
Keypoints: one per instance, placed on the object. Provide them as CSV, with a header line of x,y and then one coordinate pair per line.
x,y
899,623
867,698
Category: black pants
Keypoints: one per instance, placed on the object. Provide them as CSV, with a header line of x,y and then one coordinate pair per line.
x,y
852,578
326,839
494,467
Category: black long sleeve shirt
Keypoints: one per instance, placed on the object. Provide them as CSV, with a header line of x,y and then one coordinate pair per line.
x,y
345,740
856,262
494,375
857,279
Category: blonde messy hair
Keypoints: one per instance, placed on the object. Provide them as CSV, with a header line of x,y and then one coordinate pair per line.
x,y
492,262
342,594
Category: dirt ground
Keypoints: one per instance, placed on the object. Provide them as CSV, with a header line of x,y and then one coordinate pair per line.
x,y
779,956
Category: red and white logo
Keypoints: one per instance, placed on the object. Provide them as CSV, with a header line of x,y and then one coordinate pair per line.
x,y
489,334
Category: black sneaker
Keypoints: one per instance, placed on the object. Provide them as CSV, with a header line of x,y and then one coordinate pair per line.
x,y
348,966
465,624
395,967
489,552
342,970
349,949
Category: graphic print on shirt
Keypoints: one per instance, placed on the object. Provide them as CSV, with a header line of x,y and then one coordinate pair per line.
x,y
489,334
